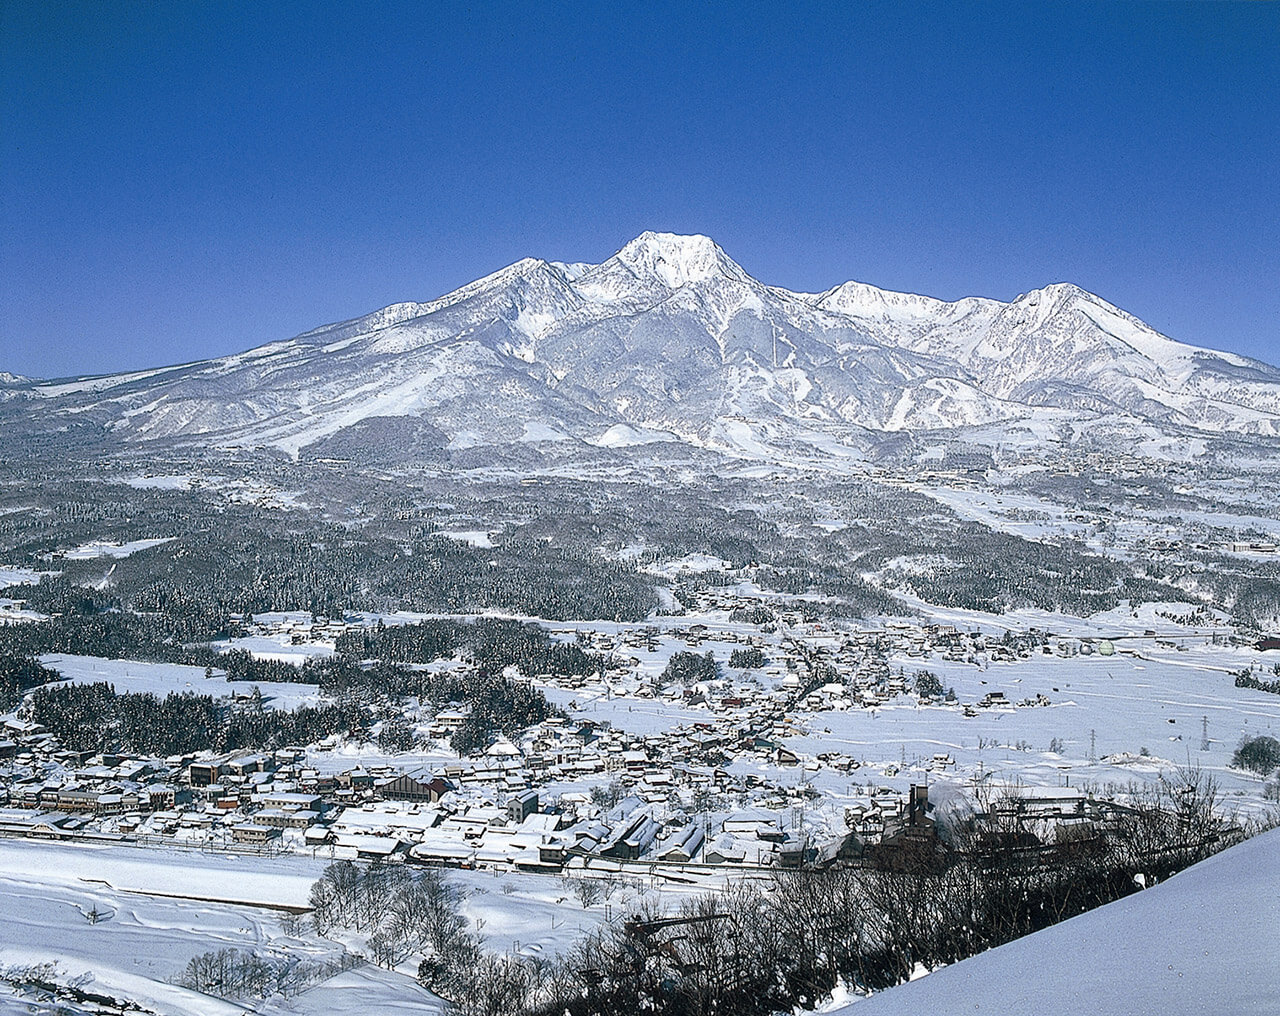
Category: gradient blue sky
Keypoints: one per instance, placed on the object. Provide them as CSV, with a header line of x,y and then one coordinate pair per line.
x,y
188,179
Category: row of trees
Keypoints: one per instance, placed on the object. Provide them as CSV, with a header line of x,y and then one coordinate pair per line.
x,y
243,973
496,643
690,668
94,717
749,658
1246,680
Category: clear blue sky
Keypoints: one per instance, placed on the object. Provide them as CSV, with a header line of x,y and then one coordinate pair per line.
x,y
186,179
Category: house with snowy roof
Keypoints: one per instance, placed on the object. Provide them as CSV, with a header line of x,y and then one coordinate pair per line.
x,y
420,786
681,844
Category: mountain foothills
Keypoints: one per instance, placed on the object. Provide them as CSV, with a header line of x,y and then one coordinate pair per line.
x,y
670,340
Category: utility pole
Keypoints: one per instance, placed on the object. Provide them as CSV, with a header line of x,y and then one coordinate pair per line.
x,y
1204,733
1093,745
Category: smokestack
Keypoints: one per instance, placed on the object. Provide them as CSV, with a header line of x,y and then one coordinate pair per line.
x,y
919,804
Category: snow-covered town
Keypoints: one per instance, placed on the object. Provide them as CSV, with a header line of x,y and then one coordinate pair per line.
x,y
766,765
807,745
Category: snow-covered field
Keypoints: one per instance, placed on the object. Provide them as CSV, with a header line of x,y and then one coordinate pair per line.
x,y
106,548
283,881
472,537
143,938
624,712
1099,707
10,576
277,647
162,678
1202,942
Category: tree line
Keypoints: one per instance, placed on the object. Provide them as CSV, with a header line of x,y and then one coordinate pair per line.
x,y
1246,680
243,973
96,718
17,674
493,642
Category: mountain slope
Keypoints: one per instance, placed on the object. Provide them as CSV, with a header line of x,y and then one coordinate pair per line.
x,y
1200,942
670,336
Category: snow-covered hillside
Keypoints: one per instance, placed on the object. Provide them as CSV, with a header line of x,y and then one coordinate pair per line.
x,y
671,336
1202,942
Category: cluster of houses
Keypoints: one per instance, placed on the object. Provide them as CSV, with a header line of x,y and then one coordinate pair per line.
x,y
568,793
297,628
276,800
279,801
809,668
477,813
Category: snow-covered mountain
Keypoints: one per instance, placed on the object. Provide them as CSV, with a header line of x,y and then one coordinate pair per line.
x,y
670,339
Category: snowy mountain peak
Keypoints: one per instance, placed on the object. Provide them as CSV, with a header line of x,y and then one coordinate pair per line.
x,y
1058,297
861,300
1065,311
676,260
502,277
1056,292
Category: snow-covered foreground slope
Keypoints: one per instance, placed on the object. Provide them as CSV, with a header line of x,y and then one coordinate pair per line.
x,y
668,337
1202,942
156,910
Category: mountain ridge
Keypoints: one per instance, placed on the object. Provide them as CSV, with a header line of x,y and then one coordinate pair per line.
x,y
670,335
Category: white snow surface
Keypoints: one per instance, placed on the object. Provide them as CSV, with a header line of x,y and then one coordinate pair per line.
x,y
106,548
17,576
162,678
1202,942
149,932
159,908
623,435
471,537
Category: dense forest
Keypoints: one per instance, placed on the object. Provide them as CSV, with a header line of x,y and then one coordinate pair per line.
x,y
572,549
17,674
95,718
495,643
